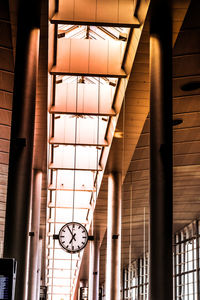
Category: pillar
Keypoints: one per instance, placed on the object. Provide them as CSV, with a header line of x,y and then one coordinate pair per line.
x,y
82,284
91,266
96,260
21,147
94,269
39,270
34,237
161,270
113,258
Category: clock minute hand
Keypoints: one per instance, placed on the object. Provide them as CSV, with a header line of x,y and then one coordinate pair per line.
x,y
70,230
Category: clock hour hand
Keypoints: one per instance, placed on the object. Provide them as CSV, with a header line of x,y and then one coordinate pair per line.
x,y
73,238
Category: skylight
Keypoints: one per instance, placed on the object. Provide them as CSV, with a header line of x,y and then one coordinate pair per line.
x,y
80,111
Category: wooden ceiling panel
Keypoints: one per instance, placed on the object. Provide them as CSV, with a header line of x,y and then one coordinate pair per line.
x,y
186,144
100,12
6,81
186,103
5,100
95,58
193,40
187,65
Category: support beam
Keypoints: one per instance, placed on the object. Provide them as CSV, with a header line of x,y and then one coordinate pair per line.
x,y
22,133
113,259
161,271
34,242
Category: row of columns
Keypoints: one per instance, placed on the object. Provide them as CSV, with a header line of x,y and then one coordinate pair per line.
x,y
24,183
161,204
21,152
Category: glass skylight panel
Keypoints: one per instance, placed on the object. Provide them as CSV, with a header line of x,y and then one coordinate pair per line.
x,y
63,78
60,254
89,97
81,112
87,79
59,281
116,31
79,157
59,290
70,198
70,129
66,215
73,31
66,28
63,264
65,179
96,32
63,297
59,274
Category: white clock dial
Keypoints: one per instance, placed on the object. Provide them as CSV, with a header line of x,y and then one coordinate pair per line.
x,y
73,237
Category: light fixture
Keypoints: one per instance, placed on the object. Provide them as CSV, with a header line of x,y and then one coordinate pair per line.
x,y
176,122
191,86
118,134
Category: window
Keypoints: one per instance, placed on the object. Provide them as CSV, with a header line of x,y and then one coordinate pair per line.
x,y
186,268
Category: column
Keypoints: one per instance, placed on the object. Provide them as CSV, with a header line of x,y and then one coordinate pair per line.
x,y
39,270
21,147
161,270
34,237
91,266
83,284
96,270
113,258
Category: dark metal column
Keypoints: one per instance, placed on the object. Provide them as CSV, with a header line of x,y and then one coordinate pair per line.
x,y
39,260
22,133
161,270
113,258
197,259
34,238
96,270
82,284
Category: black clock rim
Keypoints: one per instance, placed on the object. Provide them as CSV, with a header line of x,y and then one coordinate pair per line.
x,y
78,250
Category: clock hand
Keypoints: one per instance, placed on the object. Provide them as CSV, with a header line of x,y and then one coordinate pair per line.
x,y
70,230
73,238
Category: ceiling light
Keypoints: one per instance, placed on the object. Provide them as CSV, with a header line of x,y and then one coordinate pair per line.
x,y
191,86
123,37
112,83
118,134
176,122
58,81
81,80
61,35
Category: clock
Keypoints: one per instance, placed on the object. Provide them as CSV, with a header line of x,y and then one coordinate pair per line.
x,y
73,237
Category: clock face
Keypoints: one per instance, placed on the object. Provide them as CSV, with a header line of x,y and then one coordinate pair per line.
x,y
73,237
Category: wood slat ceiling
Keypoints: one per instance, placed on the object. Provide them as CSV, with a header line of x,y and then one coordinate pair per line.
x,y
186,148
134,116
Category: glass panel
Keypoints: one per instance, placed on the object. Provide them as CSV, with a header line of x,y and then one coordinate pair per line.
x,y
71,129
68,198
66,157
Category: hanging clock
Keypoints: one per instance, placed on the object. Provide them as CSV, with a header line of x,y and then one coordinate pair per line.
x,y
73,237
